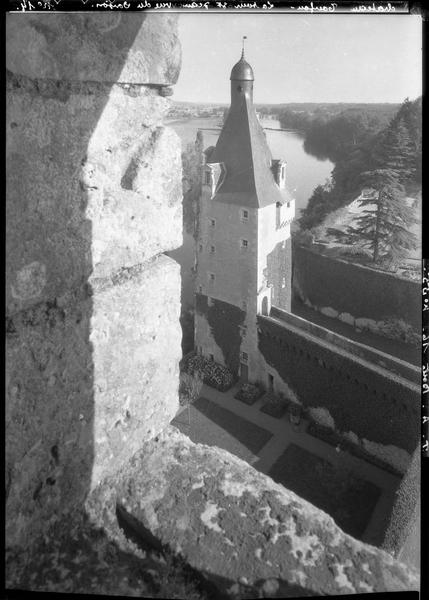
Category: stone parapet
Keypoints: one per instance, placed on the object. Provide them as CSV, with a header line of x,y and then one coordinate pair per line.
x,y
131,48
89,179
245,534
93,200
89,378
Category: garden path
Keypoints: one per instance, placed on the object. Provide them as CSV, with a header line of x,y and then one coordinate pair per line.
x,y
284,434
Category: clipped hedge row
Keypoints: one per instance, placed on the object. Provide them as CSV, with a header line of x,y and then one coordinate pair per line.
x,y
335,439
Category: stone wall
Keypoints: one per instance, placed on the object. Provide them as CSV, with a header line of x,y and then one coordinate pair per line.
x,y
358,295
246,535
363,398
93,334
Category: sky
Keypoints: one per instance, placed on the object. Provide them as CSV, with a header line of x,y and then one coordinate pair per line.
x,y
302,58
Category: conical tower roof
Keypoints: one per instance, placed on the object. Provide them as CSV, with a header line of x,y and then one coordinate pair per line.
x,y
243,148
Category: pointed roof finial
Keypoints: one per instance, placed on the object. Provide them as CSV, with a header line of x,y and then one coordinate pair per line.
x,y
242,51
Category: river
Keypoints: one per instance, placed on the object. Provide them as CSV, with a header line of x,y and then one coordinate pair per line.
x,y
303,173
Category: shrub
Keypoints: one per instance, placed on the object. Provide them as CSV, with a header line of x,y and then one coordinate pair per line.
x,y
213,374
249,393
190,387
400,330
322,416
336,439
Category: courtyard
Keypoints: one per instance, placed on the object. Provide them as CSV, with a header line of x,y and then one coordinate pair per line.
x,y
357,495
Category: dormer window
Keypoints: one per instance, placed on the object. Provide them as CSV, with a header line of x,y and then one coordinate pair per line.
x,y
217,176
278,168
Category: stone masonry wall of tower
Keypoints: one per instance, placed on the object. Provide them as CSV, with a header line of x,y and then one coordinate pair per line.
x,y
243,253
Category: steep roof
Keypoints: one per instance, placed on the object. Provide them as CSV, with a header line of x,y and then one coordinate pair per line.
x,y
243,148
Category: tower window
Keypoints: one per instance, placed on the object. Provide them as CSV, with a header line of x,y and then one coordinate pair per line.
x,y
200,289
283,282
244,356
244,244
212,277
245,215
212,222
212,249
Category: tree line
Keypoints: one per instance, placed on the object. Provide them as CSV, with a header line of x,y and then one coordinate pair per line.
x,y
370,150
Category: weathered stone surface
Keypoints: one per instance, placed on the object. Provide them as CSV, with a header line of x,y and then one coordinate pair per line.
x,y
49,414
126,222
133,48
89,378
84,199
93,197
136,340
245,533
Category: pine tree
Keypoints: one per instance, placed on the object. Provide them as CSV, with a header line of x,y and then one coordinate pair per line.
x,y
394,150
384,226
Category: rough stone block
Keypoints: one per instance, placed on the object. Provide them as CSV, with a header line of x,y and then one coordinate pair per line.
x,y
49,414
134,48
140,214
89,378
249,536
89,180
136,340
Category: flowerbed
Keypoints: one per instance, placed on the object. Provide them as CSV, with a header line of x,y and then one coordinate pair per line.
x,y
335,439
214,374
276,406
249,393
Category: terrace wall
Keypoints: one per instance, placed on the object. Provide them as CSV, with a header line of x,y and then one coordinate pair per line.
x,y
355,291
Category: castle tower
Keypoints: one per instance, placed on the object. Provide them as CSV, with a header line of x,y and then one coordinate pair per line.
x,y
244,247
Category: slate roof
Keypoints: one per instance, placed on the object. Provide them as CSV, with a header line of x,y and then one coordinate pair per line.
x,y
243,148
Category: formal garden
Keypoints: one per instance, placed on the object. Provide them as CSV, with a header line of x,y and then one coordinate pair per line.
x,y
332,488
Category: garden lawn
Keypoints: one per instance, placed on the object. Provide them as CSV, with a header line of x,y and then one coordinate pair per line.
x,y
349,500
216,426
